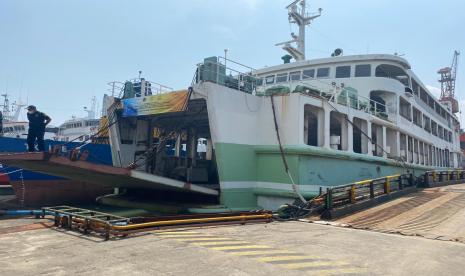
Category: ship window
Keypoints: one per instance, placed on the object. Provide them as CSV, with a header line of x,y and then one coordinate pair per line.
x,y
360,141
440,132
403,146
294,76
443,113
392,72
338,131
269,80
322,72
434,128
308,74
313,126
281,78
423,95
410,149
363,70
415,86
417,117
343,72
92,123
431,102
427,123
421,152
405,109
377,139
437,108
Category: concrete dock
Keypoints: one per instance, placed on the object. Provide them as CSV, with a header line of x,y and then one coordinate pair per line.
x,y
33,247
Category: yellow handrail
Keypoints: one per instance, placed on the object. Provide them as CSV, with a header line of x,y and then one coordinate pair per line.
x,y
369,180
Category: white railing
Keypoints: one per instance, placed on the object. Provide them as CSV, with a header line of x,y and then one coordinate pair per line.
x,y
156,88
116,88
362,103
227,72
337,95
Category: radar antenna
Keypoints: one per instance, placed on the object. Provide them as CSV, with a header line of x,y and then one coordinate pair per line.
x,y
298,16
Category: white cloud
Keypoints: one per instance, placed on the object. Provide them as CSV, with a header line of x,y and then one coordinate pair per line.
x,y
434,90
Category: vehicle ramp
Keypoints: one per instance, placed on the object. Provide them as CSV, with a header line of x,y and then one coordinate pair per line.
x,y
98,174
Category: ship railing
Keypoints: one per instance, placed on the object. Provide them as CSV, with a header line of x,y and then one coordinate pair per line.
x,y
116,88
443,177
345,199
226,72
156,88
355,101
340,95
367,189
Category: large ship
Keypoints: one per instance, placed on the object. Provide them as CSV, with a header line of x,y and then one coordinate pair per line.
x,y
241,138
287,131
79,129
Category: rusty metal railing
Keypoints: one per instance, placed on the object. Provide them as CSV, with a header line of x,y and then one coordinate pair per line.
x,y
366,189
444,177
372,188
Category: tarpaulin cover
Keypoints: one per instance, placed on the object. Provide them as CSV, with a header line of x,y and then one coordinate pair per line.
x,y
155,104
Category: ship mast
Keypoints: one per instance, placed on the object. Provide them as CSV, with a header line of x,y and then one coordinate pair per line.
x,y
300,17
6,107
91,113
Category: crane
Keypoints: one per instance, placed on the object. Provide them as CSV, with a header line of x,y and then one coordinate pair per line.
x,y
448,77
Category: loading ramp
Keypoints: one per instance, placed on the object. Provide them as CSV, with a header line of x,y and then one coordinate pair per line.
x,y
99,174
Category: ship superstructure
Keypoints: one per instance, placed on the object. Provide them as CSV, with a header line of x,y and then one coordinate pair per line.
x,y
80,129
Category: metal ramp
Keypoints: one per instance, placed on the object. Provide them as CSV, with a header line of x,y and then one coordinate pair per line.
x,y
98,174
83,219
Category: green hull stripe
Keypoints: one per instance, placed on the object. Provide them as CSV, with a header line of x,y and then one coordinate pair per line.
x,y
309,165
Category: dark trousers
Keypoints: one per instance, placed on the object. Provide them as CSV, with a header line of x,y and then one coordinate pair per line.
x,y
32,135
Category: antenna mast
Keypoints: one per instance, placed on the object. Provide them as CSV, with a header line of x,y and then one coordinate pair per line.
x,y
448,77
6,107
91,113
298,16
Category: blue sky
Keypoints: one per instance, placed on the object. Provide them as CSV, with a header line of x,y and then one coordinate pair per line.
x,y
58,54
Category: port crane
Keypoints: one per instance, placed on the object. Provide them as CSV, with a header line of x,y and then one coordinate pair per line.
x,y
448,77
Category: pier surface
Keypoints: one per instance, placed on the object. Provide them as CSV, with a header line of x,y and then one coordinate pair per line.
x,y
32,247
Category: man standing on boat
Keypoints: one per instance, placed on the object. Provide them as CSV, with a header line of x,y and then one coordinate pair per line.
x,y
37,123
